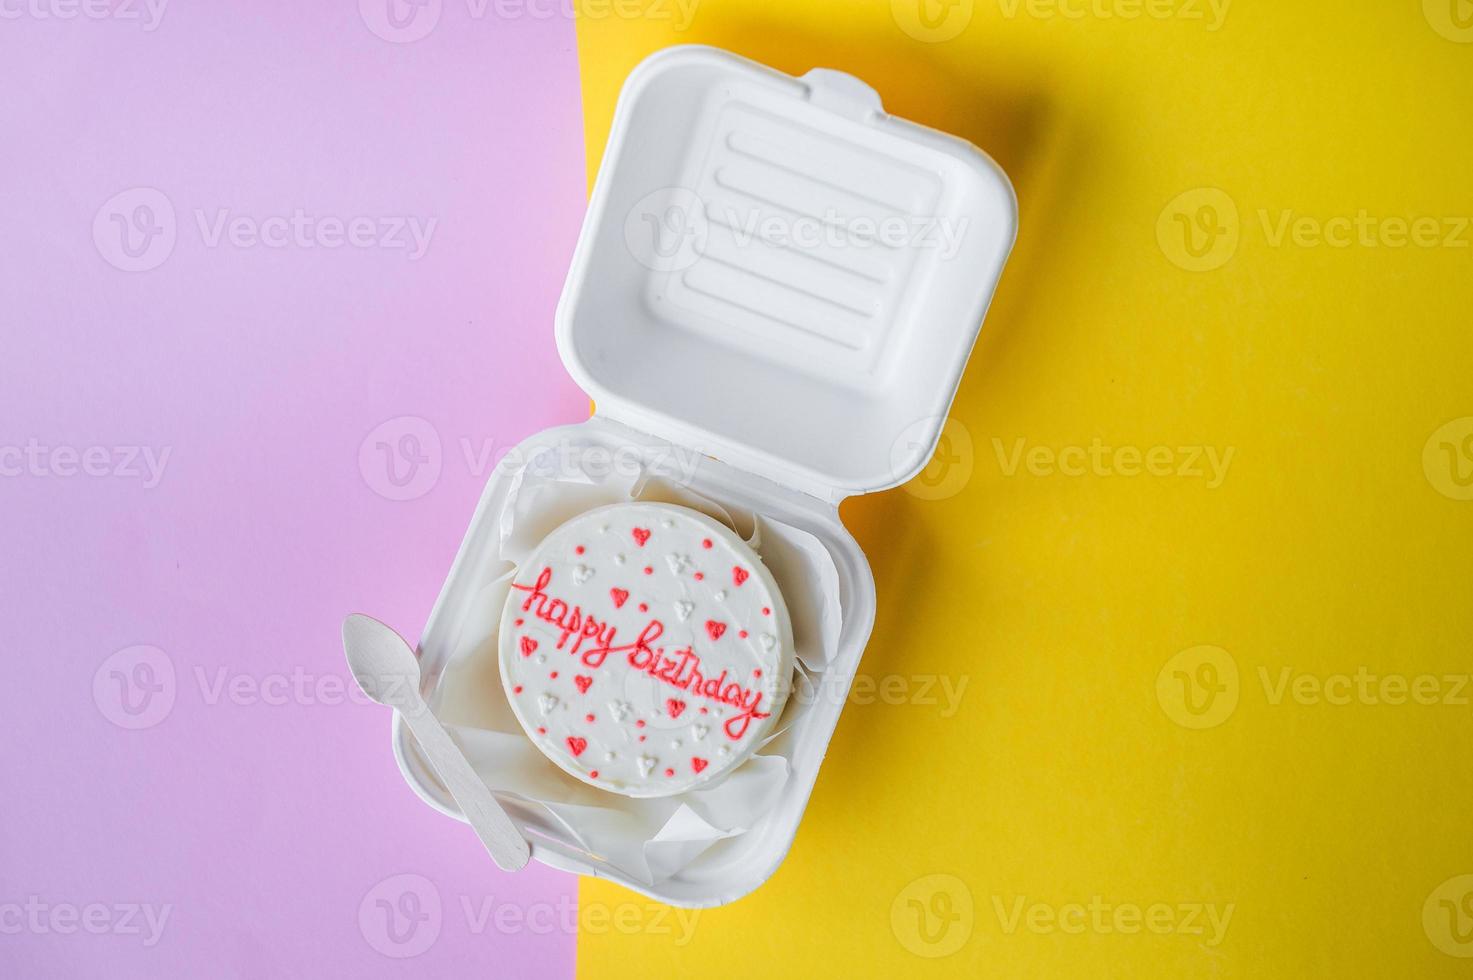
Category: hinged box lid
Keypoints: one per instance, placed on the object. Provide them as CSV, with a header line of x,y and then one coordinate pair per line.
x,y
777,274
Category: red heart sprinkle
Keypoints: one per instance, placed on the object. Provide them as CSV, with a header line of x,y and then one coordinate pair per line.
x,y
715,628
576,745
641,535
739,574
620,596
581,682
698,764
674,707
528,645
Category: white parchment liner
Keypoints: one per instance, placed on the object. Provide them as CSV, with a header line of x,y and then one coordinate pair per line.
x,y
650,839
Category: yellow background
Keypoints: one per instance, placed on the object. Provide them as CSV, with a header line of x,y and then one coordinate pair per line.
x,y
1059,599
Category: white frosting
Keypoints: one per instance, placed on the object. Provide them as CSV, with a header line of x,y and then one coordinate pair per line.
x,y
645,649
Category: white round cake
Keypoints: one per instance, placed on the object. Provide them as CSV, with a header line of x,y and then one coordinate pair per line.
x,y
645,649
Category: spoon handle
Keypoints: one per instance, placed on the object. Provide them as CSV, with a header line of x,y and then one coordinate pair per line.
x,y
507,847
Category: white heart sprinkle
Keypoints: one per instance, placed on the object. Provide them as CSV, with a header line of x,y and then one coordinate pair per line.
x,y
768,641
619,709
619,559
684,608
610,756
542,658
678,563
723,751
699,732
547,702
646,765
721,596
582,574
675,743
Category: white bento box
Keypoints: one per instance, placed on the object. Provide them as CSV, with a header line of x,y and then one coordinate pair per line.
x,y
781,281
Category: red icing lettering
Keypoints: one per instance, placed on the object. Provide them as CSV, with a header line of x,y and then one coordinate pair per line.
x,y
569,621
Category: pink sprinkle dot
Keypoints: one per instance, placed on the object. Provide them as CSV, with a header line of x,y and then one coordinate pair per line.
x,y
588,718
700,576
706,543
518,622
639,723
578,550
553,675
704,711
643,607
669,772
742,634
593,774
643,737
541,731
648,570
756,673
766,611
517,689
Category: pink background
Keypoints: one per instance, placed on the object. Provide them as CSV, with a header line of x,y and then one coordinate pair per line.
x,y
266,812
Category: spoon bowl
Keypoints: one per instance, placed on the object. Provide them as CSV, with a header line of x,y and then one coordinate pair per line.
x,y
386,668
